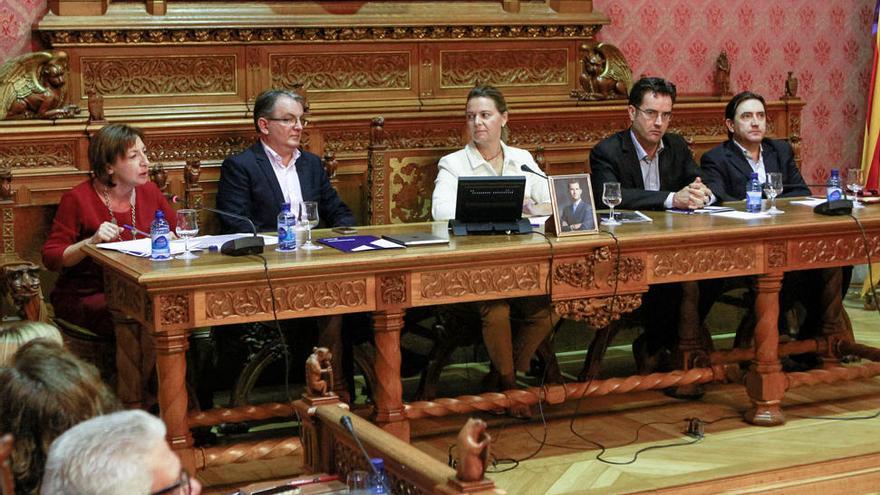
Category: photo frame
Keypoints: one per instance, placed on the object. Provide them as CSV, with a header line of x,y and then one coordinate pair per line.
x,y
574,212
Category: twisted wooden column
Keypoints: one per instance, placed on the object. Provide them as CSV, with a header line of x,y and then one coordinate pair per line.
x,y
765,382
833,374
388,395
556,394
251,412
173,401
835,327
242,452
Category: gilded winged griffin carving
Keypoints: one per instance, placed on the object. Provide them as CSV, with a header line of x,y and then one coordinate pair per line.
x,y
605,76
33,85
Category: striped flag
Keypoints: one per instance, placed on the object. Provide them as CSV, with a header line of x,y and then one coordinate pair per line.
x,y
871,150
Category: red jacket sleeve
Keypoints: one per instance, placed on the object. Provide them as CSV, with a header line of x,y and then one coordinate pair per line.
x,y
66,230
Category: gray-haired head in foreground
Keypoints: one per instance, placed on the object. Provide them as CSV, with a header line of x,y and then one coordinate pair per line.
x,y
105,455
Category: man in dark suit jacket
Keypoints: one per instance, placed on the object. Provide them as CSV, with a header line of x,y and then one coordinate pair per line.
x,y
577,215
254,184
728,167
249,182
656,170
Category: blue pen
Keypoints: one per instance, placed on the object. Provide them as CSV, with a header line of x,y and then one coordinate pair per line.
x,y
135,230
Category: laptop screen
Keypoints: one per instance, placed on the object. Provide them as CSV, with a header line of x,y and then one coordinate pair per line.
x,y
490,198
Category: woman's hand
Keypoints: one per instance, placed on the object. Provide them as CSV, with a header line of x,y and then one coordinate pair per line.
x,y
107,232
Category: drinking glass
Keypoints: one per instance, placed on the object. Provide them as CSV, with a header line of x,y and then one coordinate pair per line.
x,y
358,481
854,184
773,188
308,216
611,197
187,226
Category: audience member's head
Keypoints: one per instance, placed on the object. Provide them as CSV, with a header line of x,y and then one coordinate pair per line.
x,y
15,334
123,452
44,391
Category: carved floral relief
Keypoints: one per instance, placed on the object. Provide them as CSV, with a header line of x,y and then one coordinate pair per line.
x,y
481,281
160,75
342,71
519,67
250,301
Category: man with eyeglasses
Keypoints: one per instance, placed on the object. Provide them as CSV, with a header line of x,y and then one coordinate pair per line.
x,y
123,452
274,170
656,171
254,184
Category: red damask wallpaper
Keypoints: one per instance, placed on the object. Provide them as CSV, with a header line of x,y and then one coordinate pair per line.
x,y
826,43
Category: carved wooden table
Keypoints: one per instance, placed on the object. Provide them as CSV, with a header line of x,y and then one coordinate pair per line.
x,y
580,273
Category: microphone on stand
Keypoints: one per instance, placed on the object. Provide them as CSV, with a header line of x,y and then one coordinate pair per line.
x,y
346,423
526,168
240,246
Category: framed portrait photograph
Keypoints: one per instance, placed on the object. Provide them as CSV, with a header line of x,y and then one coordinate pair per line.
x,y
573,210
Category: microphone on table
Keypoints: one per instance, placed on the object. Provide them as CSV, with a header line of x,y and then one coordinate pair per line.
x,y
346,423
830,208
240,246
526,168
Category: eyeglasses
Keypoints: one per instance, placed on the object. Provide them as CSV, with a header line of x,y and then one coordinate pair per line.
x,y
653,114
288,122
181,484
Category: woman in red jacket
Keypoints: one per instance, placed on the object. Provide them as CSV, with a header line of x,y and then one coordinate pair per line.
x,y
118,193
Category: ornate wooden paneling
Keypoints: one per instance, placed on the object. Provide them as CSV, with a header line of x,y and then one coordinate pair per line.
x,y
521,67
127,75
342,71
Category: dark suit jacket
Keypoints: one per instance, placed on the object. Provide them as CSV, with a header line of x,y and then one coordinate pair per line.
x,y
579,216
248,187
615,160
726,171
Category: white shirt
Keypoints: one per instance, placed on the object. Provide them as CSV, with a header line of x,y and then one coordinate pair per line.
x,y
757,165
286,175
468,162
650,168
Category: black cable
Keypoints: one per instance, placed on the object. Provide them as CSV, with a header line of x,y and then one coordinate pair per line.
x,y
281,338
868,259
611,312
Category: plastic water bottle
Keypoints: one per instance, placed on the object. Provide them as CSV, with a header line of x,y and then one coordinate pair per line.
x,y
833,192
379,479
286,229
753,194
160,238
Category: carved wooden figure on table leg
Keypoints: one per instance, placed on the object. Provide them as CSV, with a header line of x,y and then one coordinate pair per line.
x,y
319,373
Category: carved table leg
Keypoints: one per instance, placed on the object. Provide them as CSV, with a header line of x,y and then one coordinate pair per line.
x,y
765,382
173,401
129,368
835,325
690,353
388,394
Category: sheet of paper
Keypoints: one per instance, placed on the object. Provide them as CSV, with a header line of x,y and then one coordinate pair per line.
x,y
538,221
811,202
141,247
741,215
